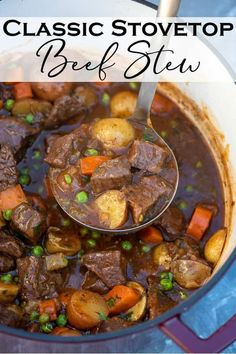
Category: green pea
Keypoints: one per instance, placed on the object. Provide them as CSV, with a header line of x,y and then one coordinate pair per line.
x,y
80,254
34,316
29,118
146,248
91,152
47,328
65,222
133,85
189,188
61,320
37,251
183,205
44,318
25,171
84,231
105,98
24,180
95,234
126,245
67,179
9,104
81,197
166,275
7,214
199,164
37,155
91,243
183,295
166,284
6,278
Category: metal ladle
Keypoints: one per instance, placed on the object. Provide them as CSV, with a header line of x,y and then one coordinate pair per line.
x,y
167,8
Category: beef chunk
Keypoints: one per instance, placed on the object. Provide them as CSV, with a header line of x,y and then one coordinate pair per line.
x,y
173,222
17,134
147,156
64,108
93,283
6,263
144,196
29,222
10,245
113,324
112,174
107,265
9,316
63,147
157,301
8,173
35,281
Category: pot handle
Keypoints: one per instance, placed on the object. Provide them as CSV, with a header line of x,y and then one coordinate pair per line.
x,y
191,343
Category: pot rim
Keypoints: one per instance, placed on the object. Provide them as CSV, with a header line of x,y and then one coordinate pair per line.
x,y
177,310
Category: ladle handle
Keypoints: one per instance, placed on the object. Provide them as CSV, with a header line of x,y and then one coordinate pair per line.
x,y
167,8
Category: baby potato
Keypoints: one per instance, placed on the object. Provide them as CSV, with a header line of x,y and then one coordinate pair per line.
x,y
113,133
137,312
87,95
86,309
30,105
112,209
50,91
214,246
8,292
59,241
123,104
161,256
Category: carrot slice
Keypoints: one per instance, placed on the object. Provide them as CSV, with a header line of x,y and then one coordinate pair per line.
x,y
22,90
90,163
50,307
121,298
151,235
200,222
65,332
161,104
12,197
1,104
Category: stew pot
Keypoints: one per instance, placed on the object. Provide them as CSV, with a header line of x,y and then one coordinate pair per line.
x,y
213,109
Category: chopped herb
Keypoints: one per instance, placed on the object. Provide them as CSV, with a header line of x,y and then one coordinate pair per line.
x,y
80,254
105,98
24,180
183,205
199,164
25,171
102,316
126,316
84,231
91,243
148,137
91,152
183,295
67,179
133,85
37,155
65,222
189,188
111,302
146,248
163,134
47,327
95,234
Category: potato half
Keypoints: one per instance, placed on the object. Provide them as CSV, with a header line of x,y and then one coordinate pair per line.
x,y
113,133
214,246
112,209
123,104
137,312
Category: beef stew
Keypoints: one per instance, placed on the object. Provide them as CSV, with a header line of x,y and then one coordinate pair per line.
x,y
60,278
